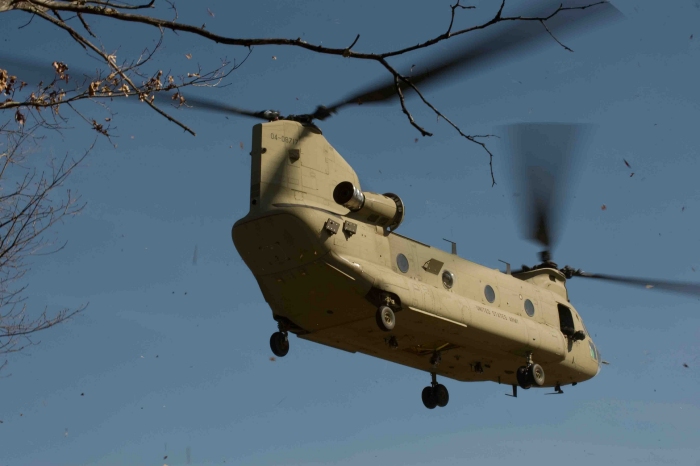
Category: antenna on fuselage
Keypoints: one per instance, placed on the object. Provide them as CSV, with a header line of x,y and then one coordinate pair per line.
x,y
454,246
507,266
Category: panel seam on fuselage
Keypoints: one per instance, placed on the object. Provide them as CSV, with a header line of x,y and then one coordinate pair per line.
x,y
330,212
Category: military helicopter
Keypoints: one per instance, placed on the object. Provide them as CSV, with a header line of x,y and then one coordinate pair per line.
x,y
334,271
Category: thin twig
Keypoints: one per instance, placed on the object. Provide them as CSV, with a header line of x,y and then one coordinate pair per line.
x,y
405,110
86,26
453,8
553,37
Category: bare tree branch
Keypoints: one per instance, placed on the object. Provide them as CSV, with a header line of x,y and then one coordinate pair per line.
x,y
27,212
110,10
124,13
452,16
142,97
471,138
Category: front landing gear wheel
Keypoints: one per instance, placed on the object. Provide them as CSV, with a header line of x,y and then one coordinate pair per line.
x,y
386,318
442,396
429,399
279,344
435,394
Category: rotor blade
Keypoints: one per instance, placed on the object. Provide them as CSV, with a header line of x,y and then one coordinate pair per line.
x,y
199,104
481,53
38,71
676,287
33,71
542,154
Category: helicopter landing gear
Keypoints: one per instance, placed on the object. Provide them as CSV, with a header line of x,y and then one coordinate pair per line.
x,y
537,374
530,374
279,344
523,379
386,319
279,341
435,359
435,395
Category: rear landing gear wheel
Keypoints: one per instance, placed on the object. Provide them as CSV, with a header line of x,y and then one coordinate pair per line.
x,y
386,320
523,378
442,396
279,344
536,375
429,398
530,375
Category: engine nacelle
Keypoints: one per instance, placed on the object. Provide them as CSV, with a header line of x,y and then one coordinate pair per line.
x,y
385,210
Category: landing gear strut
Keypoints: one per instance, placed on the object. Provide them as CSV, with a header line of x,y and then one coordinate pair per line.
x,y
435,395
279,342
530,374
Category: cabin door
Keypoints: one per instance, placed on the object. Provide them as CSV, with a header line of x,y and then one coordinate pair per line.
x,y
566,320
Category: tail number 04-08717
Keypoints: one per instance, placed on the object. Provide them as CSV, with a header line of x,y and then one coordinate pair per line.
x,y
284,139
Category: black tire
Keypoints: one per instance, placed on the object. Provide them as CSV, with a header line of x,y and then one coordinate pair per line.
x,y
523,378
386,320
279,344
442,396
429,398
536,375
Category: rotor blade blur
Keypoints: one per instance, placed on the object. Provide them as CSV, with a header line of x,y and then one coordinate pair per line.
x,y
541,156
490,48
676,287
34,71
38,71
199,104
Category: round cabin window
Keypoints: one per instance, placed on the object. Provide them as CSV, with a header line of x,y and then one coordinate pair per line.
x,y
529,308
402,263
490,294
448,279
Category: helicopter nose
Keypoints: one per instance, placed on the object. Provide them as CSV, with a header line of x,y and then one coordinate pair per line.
x,y
595,352
601,362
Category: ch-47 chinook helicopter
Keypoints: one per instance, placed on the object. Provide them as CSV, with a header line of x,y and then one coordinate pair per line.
x,y
334,270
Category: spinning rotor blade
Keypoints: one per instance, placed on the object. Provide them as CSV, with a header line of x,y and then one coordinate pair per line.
x,y
26,70
475,56
37,71
676,287
478,55
542,154
224,108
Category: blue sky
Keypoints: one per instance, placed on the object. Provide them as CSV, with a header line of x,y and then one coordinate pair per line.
x,y
172,355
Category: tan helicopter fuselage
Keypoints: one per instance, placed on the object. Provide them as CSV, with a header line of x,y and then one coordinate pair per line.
x,y
324,270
